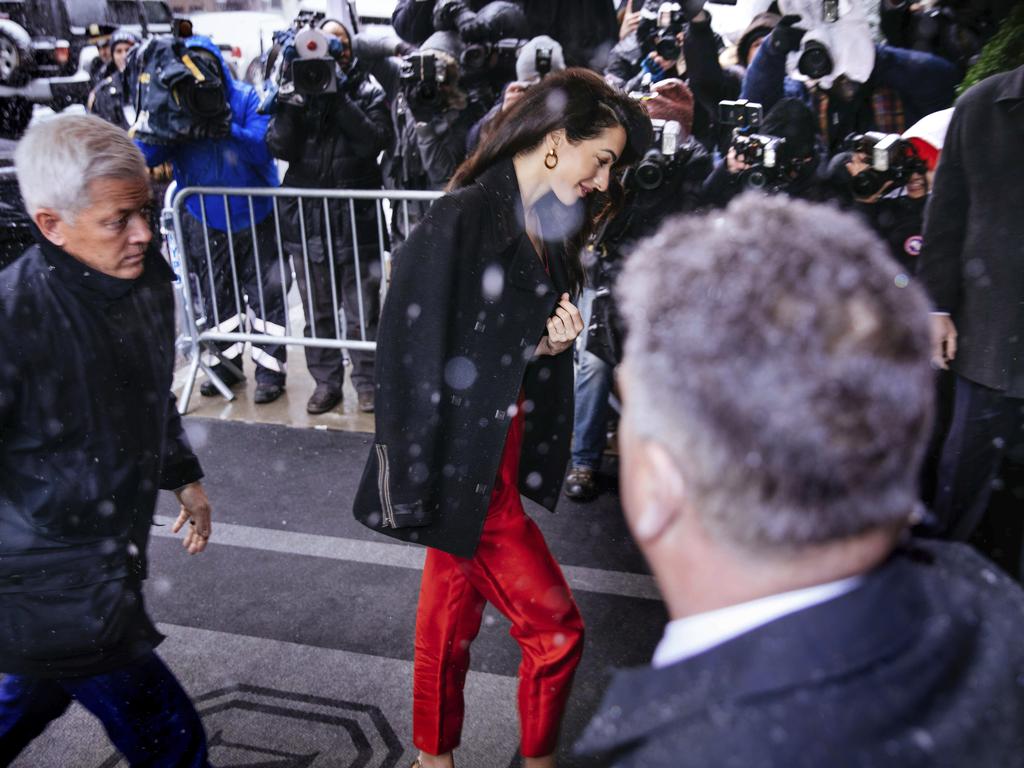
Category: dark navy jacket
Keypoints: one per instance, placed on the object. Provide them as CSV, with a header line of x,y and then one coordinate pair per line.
x,y
88,434
918,667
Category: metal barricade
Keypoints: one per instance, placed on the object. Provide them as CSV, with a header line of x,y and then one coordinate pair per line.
x,y
225,274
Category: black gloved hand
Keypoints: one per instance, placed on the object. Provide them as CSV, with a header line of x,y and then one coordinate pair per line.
x,y
786,37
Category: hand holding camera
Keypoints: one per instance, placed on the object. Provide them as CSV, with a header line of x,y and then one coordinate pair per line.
x,y
786,37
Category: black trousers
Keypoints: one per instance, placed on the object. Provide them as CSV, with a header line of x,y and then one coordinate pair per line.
x,y
252,296
983,421
353,289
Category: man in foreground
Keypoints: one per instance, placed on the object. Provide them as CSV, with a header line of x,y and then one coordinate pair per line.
x,y
770,486
88,434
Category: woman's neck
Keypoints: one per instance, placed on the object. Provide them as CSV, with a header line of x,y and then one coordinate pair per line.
x,y
532,177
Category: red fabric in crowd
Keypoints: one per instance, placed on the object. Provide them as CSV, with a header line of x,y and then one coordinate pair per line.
x,y
514,571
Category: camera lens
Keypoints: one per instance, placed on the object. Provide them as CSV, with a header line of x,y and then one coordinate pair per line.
x,y
756,179
475,56
313,76
650,173
867,183
815,61
667,47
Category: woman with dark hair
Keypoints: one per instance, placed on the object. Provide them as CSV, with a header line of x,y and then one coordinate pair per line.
x,y
474,396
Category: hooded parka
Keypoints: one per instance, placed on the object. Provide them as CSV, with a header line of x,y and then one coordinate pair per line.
x,y
467,307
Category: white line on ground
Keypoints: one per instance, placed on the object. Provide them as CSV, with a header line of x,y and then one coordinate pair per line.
x,y
580,578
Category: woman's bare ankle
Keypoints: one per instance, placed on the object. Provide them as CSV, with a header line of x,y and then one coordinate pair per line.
x,y
437,761
548,761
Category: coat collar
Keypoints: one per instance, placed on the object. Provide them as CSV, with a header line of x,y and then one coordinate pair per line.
x,y
96,285
879,618
501,188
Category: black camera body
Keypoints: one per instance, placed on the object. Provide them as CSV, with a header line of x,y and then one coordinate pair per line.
x,y
766,155
422,76
891,159
658,30
742,114
498,57
664,155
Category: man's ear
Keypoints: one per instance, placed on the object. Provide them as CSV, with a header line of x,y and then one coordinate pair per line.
x,y
665,499
49,222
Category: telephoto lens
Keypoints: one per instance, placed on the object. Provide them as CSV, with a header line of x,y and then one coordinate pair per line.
x,y
815,60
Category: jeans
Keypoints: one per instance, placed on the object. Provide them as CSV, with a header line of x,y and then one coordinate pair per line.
x,y
593,385
143,708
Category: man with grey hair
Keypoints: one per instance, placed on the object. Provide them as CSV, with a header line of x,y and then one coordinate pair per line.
x,y
777,395
88,434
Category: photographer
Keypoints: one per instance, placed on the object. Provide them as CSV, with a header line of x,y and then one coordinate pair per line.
x,y
676,40
856,85
238,159
332,140
538,58
587,29
110,99
893,200
793,168
666,182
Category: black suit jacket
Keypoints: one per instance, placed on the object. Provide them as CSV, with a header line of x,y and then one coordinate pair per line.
x,y
921,665
972,259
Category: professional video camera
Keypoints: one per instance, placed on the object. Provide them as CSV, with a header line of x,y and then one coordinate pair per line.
x,y
179,93
422,76
663,157
890,157
303,62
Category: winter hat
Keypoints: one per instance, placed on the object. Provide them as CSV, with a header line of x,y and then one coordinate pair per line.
x,y
794,121
671,99
760,26
123,36
444,42
526,63
928,135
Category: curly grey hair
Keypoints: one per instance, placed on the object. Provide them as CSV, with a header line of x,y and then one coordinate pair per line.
x,y
57,159
782,358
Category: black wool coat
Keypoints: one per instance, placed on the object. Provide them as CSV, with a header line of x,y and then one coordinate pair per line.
x,y
468,304
918,667
972,258
88,434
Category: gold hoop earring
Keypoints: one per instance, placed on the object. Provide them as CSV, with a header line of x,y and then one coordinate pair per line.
x,y
551,160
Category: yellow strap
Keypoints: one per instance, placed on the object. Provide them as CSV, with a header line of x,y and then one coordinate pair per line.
x,y
196,73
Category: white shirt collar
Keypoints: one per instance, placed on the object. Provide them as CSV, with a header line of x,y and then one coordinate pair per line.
x,y
690,636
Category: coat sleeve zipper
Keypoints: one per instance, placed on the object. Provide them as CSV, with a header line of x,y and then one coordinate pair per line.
x,y
384,486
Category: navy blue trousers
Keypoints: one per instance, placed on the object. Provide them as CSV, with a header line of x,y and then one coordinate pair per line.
x,y
983,421
145,711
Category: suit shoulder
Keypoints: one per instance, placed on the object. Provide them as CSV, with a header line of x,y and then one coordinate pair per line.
x,y
982,94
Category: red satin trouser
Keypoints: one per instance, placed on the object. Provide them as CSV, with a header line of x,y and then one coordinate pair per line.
x,y
514,571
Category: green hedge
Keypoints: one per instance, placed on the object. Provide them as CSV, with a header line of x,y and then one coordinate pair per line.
x,y
1005,51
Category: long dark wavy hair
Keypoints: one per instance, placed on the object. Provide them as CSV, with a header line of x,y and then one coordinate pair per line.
x,y
582,104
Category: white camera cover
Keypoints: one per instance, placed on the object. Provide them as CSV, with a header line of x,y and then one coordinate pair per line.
x,y
848,40
311,44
